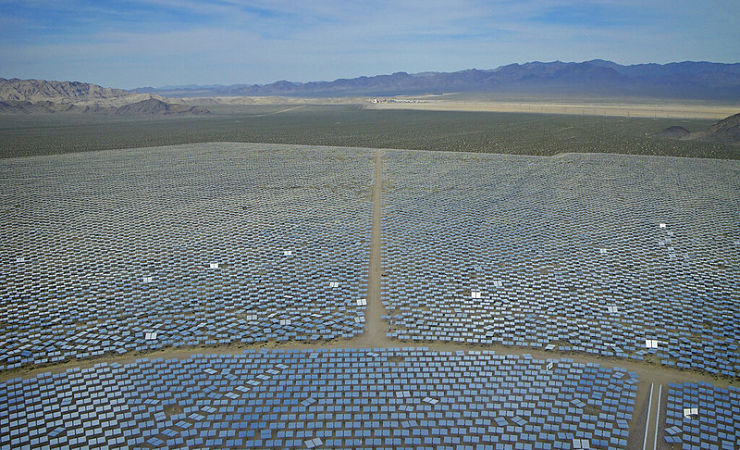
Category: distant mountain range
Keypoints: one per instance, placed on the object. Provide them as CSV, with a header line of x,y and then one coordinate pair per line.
x,y
684,80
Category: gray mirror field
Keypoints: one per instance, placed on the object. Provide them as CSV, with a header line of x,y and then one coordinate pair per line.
x,y
271,295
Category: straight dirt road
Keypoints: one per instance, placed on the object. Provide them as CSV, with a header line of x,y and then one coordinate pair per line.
x,y
375,327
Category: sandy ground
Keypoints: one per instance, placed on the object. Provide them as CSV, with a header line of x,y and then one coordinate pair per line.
x,y
590,107
665,110
243,101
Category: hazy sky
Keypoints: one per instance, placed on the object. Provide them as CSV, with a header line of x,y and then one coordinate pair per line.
x,y
169,42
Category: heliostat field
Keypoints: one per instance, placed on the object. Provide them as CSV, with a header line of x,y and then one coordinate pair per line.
x,y
633,257
312,399
259,295
134,250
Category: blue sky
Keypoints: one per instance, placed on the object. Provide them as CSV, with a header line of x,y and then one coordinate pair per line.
x,y
171,42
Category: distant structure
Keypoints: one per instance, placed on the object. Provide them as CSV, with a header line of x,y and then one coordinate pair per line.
x,y
395,100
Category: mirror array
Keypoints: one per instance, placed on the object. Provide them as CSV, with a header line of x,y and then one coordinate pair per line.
x,y
133,250
700,415
140,249
615,255
342,398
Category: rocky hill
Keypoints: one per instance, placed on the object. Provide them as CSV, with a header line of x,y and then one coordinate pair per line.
x,y
154,106
46,97
674,132
726,131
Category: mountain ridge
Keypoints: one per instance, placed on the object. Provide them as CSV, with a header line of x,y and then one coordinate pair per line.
x,y
687,79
